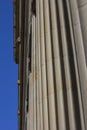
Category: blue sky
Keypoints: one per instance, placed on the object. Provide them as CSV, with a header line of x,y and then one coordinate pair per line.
x,y
8,69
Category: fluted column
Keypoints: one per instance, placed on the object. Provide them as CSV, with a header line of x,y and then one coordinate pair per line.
x,y
82,7
34,72
66,67
40,103
76,67
80,55
43,70
30,106
50,79
57,66
53,58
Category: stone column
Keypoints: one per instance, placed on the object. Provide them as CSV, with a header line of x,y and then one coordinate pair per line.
x,y
43,69
66,67
80,55
50,79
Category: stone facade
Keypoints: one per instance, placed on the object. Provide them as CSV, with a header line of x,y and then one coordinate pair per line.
x,y
50,48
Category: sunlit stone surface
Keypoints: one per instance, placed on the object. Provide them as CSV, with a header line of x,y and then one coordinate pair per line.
x,y
50,48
